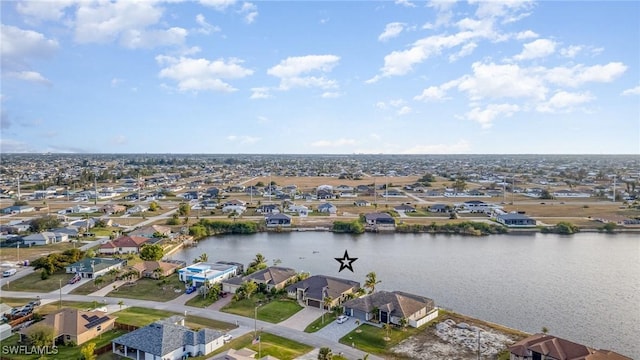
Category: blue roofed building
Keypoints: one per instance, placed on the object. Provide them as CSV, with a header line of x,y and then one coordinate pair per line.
x,y
210,273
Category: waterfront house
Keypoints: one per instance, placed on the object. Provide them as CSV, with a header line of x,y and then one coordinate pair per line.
x,y
268,209
391,307
149,269
75,326
313,290
167,339
275,220
549,347
379,222
124,245
151,230
327,208
272,277
200,273
515,220
93,267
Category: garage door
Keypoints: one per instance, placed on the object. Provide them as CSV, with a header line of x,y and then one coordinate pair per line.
x,y
314,303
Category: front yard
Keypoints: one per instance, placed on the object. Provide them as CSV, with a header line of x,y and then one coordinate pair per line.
x,y
371,339
150,289
273,312
138,316
318,324
270,344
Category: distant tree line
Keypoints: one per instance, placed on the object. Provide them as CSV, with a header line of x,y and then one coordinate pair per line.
x,y
463,228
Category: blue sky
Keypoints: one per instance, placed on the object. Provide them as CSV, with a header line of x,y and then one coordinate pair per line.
x,y
225,76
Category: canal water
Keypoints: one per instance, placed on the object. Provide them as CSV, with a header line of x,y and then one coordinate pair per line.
x,y
584,287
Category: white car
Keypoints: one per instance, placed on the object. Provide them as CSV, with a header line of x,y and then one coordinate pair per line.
x,y
342,319
227,337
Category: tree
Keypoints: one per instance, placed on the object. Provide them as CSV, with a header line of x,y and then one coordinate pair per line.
x,y
371,281
87,351
151,252
44,223
403,323
98,281
20,203
386,327
40,335
258,263
459,185
546,194
153,206
202,258
325,353
120,303
246,290
545,330
327,304
184,209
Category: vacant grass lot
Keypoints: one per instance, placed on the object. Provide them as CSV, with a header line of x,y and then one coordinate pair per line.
x,y
318,324
138,316
33,282
273,312
273,345
371,338
33,252
149,289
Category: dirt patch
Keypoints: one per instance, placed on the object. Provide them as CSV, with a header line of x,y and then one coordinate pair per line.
x,y
456,337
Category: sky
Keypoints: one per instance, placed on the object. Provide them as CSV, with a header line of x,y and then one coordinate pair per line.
x,y
320,77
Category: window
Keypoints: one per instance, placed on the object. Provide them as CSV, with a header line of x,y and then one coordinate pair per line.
x,y
99,328
68,337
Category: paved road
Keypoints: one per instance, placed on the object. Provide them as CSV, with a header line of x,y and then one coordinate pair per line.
x,y
245,324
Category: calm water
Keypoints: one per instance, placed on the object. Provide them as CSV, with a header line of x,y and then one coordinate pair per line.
x,y
584,287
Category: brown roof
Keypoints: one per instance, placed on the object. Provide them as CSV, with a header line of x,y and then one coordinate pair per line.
x,y
74,321
151,229
125,241
273,275
560,349
396,303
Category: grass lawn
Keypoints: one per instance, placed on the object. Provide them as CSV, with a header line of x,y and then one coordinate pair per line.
x,y
33,252
48,308
317,324
138,316
33,282
89,287
106,231
273,345
273,312
199,301
64,352
149,289
371,338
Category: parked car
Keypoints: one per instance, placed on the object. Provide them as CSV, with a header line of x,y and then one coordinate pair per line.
x,y
342,319
227,337
9,272
74,279
190,289
34,303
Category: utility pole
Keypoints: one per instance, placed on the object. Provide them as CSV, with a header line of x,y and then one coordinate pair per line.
x,y
614,188
95,187
60,304
18,187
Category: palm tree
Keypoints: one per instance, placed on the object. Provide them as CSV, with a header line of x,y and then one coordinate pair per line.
x,y
202,258
387,327
327,304
120,303
98,281
403,323
371,281
325,354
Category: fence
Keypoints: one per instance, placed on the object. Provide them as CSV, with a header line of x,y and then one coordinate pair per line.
x,y
125,327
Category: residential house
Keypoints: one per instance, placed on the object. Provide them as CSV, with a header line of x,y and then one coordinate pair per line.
x,y
379,221
268,209
549,347
313,290
92,268
275,220
272,277
76,326
300,209
151,230
123,245
439,208
404,208
361,203
391,307
111,209
476,206
327,208
137,209
70,231
210,273
85,224
149,269
387,193
18,209
324,195
45,238
191,195
167,339
515,220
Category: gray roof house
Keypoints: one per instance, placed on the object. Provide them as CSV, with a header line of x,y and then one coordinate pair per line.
x,y
273,277
94,267
515,220
313,290
391,307
327,208
379,221
167,339
277,219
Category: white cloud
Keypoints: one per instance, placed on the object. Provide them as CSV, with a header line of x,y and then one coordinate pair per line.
x,y
486,116
508,11
205,27
405,3
432,93
564,101
250,12
128,22
391,30
466,50
30,76
115,82
202,74
291,69
537,49
632,91
502,81
260,93
19,46
44,10
263,119
14,146
461,147
243,139
571,51
524,35
581,74
334,143
219,5
404,110
331,94
119,140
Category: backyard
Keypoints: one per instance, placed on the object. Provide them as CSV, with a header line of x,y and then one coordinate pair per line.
x,y
150,289
273,312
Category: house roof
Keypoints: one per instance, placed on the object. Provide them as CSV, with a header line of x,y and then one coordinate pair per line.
x,y
125,241
396,303
165,336
150,266
75,322
278,216
404,207
97,264
512,216
272,275
150,230
560,349
315,285
379,217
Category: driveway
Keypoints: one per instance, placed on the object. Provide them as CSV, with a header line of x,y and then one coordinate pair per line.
x,y
302,318
335,331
